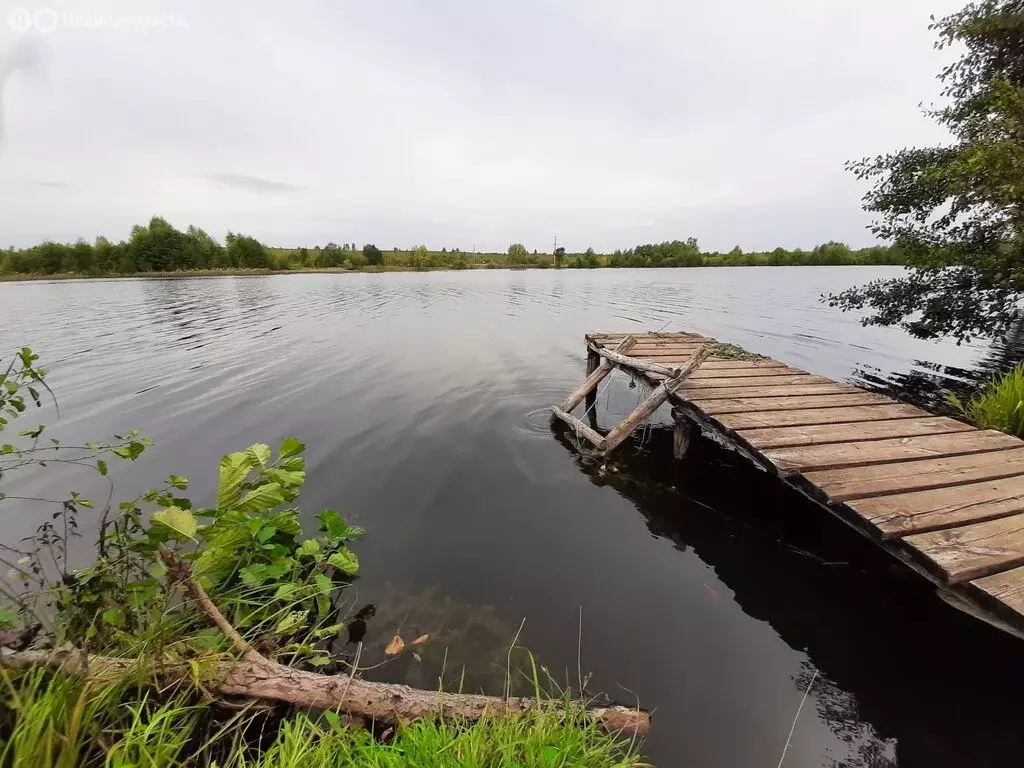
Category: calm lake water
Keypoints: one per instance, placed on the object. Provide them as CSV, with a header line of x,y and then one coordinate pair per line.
x,y
707,592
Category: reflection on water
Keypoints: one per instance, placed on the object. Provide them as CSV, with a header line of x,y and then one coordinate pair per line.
x,y
707,592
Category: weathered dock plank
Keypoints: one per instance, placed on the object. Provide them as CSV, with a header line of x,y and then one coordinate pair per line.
x,y
818,416
899,477
944,497
765,390
845,433
899,449
921,511
756,404
974,551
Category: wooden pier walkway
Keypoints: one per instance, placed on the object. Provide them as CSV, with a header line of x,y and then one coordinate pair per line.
x,y
944,497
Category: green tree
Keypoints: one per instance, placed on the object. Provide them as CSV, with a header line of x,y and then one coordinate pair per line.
x,y
331,256
247,252
517,253
956,212
373,255
199,250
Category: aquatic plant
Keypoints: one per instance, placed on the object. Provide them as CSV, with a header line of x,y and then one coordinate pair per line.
x,y
998,405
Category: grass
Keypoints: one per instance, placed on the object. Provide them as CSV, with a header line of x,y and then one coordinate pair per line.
x,y
998,405
51,720
732,352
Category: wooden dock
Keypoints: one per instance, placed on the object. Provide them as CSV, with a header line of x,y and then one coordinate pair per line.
x,y
945,498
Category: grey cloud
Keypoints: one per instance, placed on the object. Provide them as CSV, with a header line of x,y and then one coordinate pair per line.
x,y
253,183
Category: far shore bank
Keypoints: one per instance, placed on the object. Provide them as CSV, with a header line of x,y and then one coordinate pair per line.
x,y
27,278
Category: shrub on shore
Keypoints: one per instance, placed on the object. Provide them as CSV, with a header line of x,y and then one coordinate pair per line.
x,y
998,405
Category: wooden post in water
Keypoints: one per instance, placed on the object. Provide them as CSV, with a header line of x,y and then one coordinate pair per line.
x,y
683,435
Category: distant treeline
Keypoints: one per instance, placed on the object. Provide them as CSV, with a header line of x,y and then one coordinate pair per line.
x,y
159,247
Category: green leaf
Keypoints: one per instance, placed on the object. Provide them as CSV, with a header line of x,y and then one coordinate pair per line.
x,y
255,575
332,523
286,591
322,661
293,464
157,570
290,622
286,478
308,548
114,617
332,719
291,446
260,453
8,618
180,521
261,499
323,583
101,467
234,468
345,561
177,481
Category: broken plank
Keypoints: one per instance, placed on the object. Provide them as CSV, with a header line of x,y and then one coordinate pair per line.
x,y
922,511
595,378
644,411
781,437
812,416
637,363
855,454
757,404
973,551
923,474
579,427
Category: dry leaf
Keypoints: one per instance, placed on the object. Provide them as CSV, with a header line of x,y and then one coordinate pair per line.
x,y
421,640
397,645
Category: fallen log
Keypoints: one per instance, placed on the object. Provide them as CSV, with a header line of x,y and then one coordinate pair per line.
x,y
258,678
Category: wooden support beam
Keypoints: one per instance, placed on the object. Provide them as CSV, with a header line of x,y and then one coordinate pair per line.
x,y
637,363
579,427
596,376
643,411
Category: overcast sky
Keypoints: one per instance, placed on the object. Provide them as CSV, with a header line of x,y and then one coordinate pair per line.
x,y
458,123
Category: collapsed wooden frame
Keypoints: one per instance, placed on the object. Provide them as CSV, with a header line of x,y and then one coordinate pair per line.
x,y
617,358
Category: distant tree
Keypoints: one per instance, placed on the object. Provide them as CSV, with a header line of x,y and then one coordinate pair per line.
x,y
200,250
559,256
82,257
517,253
419,257
247,252
331,256
373,255
956,212
156,247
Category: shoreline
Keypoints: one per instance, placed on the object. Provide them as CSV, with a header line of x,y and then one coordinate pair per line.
x,y
177,274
